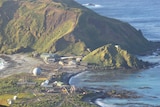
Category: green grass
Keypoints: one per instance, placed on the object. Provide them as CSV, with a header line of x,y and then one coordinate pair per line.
x,y
40,24
27,96
9,88
78,48
27,27
5,97
45,43
112,56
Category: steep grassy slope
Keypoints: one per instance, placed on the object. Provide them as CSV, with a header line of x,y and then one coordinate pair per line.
x,y
100,31
62,26
37,25
113,56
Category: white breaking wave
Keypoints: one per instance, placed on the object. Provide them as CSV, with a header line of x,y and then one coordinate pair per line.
x,y
102,104
3,64
76,76
91,5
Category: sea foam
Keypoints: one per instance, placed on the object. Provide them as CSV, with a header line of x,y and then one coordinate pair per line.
x,y
89,5
3,64
100,103
76,76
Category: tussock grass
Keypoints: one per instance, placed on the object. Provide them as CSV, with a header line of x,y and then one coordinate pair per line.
x,y
111,56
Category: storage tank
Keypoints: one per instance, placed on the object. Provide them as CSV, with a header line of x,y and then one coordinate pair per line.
x,y
36,71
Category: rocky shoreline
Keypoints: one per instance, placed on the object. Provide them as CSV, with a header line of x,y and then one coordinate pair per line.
x,y
91,95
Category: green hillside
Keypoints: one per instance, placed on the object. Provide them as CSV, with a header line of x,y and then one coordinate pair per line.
x,y
100,31
68,28
36,25
59,26
114,57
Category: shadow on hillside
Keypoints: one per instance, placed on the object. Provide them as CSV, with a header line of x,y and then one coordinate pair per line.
x,y
7,11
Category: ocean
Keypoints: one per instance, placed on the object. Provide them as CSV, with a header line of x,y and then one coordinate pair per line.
x,y
143,15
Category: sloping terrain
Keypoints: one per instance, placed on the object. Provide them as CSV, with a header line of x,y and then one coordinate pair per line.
x,y
36,25
113,56
67,28
61,26
101,31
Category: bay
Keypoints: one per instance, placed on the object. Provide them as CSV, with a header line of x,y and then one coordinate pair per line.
x,y
144,15
144,82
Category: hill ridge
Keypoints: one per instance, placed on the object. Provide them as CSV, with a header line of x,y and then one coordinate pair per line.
x,y
64,27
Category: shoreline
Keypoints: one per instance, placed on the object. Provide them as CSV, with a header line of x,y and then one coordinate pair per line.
x,y
4,62
93,95
67,76
19,61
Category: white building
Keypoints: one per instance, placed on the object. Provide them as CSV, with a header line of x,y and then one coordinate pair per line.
x,y
36,71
